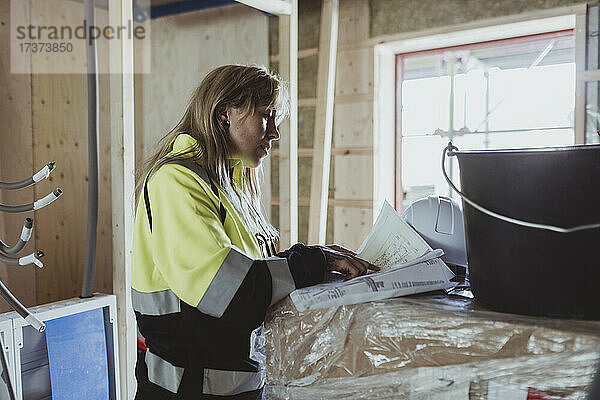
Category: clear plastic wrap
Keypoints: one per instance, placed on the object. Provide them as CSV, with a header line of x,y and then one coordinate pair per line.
x,y
425,347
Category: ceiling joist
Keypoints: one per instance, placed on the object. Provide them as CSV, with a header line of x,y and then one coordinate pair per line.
x,y
276,7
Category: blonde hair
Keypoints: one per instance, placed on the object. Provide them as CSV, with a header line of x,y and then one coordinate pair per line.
x,y
241,86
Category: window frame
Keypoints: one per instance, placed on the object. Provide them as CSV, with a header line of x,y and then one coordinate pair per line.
x,y
387,184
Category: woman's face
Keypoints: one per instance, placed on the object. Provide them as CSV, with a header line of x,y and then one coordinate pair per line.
x,y
252,134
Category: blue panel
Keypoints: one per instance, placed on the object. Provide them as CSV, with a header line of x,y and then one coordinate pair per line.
x,y
77,356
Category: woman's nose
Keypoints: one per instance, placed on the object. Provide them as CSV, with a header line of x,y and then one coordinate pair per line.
x,y
273,130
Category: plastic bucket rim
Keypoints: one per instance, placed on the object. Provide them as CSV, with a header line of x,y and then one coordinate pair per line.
x,y
533,150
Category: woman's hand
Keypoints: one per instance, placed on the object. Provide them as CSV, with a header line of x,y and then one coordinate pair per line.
x,y
345,262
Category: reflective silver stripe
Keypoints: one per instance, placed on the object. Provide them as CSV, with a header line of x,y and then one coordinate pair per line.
x,y
155,303
281,278
229,383
226,282
163,373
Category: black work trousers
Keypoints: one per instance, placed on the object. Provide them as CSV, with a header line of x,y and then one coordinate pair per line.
x,y
190,387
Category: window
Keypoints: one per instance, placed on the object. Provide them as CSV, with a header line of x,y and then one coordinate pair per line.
x,y
517,92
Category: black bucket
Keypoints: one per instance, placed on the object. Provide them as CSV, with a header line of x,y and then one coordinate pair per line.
x,y
526,270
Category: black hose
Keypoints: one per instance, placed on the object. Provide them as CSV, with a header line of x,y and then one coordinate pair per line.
x,y
17,185
42,174
16,209
93,155
27,225
13,302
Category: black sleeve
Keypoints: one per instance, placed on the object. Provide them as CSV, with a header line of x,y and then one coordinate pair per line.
x,y
308,266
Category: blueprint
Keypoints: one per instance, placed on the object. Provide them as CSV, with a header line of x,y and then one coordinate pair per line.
x,y
391,241
408,266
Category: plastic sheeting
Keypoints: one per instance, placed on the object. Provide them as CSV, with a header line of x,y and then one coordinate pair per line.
x,y
425,347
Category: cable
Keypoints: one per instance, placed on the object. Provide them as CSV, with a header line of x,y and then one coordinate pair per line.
x,y
20,309
38,176
33,258
93,156
450,149
41,203
25,236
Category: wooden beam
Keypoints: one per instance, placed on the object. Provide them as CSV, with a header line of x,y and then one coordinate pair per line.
x,y
339,99
305,53
307,102
580,51
319,185
123,184
386,130
338,151
591,75
350,203
277,7
288,145
266,188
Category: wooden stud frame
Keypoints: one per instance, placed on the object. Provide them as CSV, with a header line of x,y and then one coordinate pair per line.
x,y
323,133
580,82
288,144
123,188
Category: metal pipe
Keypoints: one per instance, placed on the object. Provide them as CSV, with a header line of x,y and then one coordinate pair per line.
x,y
524,130
25,236
486,140
451,73
93,155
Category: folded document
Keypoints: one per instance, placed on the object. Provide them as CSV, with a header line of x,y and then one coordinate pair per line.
x,y
408,266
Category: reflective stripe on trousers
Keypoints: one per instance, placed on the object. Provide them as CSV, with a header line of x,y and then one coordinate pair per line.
x,y
163,373
229,383
216,382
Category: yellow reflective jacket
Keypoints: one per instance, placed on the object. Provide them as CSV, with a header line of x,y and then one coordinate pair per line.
x,y
188,242
200,288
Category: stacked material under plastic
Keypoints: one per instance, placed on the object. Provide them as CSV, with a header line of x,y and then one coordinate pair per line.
x,y
425,347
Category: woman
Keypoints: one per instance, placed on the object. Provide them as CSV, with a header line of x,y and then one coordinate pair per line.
x,y
204,268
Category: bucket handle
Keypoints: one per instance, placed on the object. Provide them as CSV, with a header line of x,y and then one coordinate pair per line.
x,y
451,151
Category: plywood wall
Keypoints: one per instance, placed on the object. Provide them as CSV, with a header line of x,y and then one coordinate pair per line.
x,y
16,156
184,48
350,190
45,119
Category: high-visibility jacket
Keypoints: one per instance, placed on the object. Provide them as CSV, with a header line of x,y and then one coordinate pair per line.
x,y
200,287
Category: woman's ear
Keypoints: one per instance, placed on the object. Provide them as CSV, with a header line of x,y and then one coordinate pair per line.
x,y
224,117
223,114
